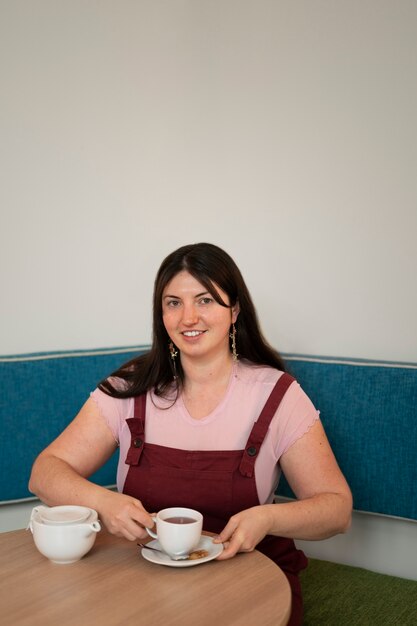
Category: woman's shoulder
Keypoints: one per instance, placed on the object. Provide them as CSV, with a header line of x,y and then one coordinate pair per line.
x,y
261,379
252,373
110,407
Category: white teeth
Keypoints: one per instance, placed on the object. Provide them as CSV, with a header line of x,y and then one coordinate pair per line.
x,y
192,333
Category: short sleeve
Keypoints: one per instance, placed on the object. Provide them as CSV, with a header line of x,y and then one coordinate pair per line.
x,y
114,411
295,416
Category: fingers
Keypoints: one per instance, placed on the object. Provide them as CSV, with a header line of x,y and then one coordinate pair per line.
x,y
125,516
243,532
231,548
133,530
232,538
133,521
141,516
227,531
128,535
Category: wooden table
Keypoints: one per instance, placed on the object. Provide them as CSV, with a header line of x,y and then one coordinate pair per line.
x,y
114,585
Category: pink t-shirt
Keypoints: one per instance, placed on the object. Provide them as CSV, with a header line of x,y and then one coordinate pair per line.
x,y
226,428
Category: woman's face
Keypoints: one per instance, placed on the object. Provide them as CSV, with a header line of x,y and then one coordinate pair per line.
x,y
197,324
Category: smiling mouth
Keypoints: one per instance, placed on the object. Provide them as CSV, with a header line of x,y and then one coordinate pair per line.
x,y
193,333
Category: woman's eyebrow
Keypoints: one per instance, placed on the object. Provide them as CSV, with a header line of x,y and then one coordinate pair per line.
x,y
198,295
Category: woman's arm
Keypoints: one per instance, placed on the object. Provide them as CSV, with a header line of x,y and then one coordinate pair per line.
x,y
324,504
59,475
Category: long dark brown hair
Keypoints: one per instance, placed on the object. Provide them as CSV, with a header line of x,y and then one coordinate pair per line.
x,y
212,267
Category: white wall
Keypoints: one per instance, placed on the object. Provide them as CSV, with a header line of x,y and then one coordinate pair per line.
x,y
282,131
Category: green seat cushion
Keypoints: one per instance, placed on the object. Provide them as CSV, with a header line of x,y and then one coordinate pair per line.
x,y
336,595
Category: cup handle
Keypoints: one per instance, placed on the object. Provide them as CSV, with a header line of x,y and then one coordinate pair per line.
x,y
150,532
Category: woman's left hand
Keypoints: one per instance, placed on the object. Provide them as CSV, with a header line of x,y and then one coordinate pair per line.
x,y
244,531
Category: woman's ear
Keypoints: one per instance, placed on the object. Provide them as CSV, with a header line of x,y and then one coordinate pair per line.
x,y
235,311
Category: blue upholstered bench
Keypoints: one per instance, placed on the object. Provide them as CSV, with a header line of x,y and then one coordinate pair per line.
x,y
368,410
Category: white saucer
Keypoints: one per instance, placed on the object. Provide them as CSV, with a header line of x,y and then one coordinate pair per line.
x,y
64,514
206,543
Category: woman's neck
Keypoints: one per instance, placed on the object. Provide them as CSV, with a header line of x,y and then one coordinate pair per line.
x,y
206,372
205,385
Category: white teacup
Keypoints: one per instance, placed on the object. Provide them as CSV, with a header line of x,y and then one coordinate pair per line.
x,y
178,530
64,534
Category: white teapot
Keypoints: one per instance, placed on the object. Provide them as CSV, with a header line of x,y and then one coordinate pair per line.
x,y
64,534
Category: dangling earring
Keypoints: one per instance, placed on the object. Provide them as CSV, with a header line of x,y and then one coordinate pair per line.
x,y
173,354
233,338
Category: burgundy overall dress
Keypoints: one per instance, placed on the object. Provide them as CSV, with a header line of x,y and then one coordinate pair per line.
x,y
216,483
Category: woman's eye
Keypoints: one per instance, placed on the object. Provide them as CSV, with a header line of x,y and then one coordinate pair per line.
x,y
173,303
206,300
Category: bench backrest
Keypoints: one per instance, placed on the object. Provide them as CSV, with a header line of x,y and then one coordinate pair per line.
x,y
41,394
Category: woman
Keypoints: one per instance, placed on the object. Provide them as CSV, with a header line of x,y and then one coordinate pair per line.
x,y
206,419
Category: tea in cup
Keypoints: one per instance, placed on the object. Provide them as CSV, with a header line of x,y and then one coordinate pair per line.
x,y
64,534
178,530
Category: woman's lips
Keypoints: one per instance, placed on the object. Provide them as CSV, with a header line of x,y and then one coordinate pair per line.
x,y
192,334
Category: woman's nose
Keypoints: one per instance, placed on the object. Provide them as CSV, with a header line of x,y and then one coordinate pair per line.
x,y
190,314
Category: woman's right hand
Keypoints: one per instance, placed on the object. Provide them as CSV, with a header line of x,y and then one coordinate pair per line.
x,y
124,516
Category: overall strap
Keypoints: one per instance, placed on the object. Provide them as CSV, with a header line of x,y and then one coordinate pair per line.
x,y
260,427
140,407
136,426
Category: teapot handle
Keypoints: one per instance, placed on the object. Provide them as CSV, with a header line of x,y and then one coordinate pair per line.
x,y
94,527
32,514
35,510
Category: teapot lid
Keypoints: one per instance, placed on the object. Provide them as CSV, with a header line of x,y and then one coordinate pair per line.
x,y
65,514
